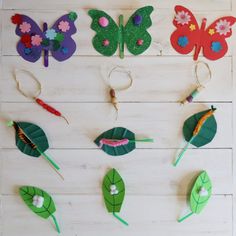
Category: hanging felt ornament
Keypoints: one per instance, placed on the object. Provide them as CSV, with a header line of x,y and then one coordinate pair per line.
x,y
32,141
114,89
201,83
199,130
40,202
200,195
34,97
109,36
118,141
113,188
190,36
57,39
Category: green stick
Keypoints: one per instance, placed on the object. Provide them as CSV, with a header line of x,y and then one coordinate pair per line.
x,y
56,224
185,217
49,159
183,151
120,219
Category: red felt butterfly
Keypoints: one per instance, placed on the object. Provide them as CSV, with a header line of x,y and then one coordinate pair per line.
x,y
189,35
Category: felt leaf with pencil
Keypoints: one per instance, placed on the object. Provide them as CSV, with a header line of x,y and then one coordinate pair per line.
x,y
198,130
32,141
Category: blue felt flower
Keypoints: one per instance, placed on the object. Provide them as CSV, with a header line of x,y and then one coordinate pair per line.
x,y
51,34
183,41
27,51
216,46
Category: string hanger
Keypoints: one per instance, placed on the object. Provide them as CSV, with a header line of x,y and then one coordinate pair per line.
x,y
201,82
113,90
36,94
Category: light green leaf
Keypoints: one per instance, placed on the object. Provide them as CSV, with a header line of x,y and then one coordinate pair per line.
x,y
197,200
113,202
27,193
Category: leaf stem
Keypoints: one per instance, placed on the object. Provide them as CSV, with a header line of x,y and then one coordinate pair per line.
x,y
120,219
121,38
49,159
185,217
180,156
56,224
147,140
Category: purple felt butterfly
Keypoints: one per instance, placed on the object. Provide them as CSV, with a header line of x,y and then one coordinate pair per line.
x,y
57,39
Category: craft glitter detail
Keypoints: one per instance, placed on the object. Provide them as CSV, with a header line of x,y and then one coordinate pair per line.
x,y
216,46
27,51
182,17
26,40
138,19
25,27
36,40
211,31
105,42
223,27
140,42
38,201
64,26
16,19
183,41
51,34
103,22
64,50
114,190
72,16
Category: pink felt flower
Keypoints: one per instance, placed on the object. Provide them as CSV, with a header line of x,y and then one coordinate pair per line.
x,y
64,26
25,27
182,17
36,40
223,27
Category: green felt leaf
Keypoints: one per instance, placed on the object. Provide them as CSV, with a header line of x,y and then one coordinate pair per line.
x,y
117,133
197,202
28,192
207,132
118,35
72,16
133,33
113,202
36,135
111,33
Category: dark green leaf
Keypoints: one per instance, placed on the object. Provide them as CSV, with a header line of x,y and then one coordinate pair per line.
x,y
207,132
36,135
117,133
28,192
198,202
113,202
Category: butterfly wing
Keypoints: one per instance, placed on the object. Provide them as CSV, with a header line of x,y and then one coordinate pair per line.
x,y
187,35
136,36
29,47
107,37
214,43
62,46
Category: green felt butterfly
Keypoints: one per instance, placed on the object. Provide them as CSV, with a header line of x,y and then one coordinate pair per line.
x,y
200,195
110,35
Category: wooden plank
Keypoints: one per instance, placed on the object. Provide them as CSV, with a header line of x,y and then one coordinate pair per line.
x,y
86,215
161,30
145,172
204,5
153,80
161,121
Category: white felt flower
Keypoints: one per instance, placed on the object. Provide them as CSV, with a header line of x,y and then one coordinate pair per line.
x,y
223,27
113,189
38,201
182,17
203,192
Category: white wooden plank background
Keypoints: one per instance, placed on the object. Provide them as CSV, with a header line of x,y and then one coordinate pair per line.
x,y
156,192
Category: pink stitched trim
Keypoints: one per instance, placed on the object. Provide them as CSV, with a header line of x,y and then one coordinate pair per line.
x,y
113,143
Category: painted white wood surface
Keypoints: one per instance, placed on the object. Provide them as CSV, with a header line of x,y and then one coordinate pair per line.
x,y
156,192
